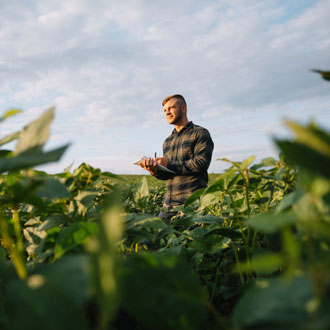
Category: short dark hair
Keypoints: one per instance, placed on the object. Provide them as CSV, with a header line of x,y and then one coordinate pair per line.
x,y
175,96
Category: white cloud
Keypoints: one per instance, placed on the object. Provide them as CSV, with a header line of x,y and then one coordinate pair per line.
x,y
107,66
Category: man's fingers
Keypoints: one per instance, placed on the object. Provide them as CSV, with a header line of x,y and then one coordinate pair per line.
x,y
150,162
143,163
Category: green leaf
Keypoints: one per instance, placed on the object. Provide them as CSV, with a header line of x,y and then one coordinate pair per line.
x,y
288,201
30,158
266,162
38,304
36,133
53,220
225,232
5,153
305,157
265,263
208,200
53,189
68,168
86,198
3,254
210,219
236,164
10,113
103,251
325,74
262,200
112,176
9,138
70,274
270,223
194,196
151,221
141,193
218,185
275,304
74,235
233,181
172,295
246,162
311,136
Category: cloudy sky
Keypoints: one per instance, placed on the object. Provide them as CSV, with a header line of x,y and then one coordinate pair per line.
x,y
242,65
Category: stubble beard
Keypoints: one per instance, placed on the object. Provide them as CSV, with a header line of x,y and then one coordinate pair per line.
x,y
177,119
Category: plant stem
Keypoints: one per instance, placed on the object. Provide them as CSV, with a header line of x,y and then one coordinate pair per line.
x,y
238,263
215,284
9,244
236,214
18,233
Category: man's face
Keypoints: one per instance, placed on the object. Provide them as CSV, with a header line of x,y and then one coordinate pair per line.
x,y
173,111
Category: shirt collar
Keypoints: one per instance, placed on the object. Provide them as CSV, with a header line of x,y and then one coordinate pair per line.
x,y
190,123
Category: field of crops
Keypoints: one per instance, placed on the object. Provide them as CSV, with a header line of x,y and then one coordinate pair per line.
x,y
85,249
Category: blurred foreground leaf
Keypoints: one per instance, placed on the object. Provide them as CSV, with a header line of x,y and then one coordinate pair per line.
x,y
161,292
270,223
36,133
325,74
276,304
30,158
10,113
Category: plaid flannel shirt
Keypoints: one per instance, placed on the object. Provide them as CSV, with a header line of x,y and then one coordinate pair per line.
x,y
189,154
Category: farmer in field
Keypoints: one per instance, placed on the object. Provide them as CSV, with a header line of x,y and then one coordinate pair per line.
x,y
187,152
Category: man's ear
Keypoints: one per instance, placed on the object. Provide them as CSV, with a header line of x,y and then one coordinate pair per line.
x,y
184,108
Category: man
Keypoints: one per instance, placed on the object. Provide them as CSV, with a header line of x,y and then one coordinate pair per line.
x,y
187,152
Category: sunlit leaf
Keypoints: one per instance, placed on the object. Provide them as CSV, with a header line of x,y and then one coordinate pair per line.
x,y
311,136
36,133
236,164
10,113
266,162
9,138
141,194
246,162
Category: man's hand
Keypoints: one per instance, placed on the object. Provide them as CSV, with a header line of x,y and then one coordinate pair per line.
x,y
162,161
149,164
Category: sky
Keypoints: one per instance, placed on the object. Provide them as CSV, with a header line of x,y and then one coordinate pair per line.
x,y
243,67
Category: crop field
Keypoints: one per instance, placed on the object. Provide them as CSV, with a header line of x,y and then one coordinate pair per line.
x,y
85,249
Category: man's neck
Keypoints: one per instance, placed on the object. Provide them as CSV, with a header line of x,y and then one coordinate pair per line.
x,y
181,125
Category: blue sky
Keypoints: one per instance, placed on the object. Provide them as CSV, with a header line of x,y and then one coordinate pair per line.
x,y
242,65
